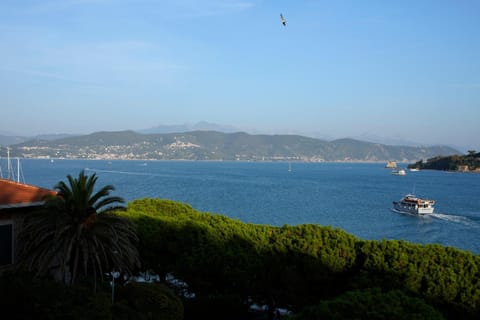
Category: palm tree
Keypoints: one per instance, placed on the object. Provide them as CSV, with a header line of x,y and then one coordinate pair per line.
x,y
77,234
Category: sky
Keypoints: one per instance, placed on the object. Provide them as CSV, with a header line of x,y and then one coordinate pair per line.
x,y
388,70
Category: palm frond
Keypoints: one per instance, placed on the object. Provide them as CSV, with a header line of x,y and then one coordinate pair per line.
x,y
77,234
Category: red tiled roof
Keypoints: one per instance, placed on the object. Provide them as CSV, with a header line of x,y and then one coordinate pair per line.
x,y
15,194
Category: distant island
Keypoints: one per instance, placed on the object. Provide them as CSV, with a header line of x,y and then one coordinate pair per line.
x,y
218,146
464,163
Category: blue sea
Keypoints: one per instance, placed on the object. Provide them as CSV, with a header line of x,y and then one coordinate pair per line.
x,y
356,197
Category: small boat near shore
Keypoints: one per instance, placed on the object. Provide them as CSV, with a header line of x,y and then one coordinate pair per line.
x,y
412,204
399,172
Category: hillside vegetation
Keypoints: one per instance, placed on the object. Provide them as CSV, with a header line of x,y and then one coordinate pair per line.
x,y
314,271
212,145
468,162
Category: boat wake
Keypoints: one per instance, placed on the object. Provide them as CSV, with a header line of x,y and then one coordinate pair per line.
x,y
445,217
123,172
454,218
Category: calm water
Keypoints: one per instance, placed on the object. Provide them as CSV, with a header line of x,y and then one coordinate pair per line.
x,y
354,197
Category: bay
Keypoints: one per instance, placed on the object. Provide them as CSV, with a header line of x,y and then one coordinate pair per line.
x,y
356,197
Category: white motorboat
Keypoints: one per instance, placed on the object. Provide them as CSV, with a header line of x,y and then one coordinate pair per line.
x,y
399,172
414,205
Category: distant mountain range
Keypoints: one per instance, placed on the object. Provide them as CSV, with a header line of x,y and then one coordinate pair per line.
x,y
208,126
186,127
7,139
214,145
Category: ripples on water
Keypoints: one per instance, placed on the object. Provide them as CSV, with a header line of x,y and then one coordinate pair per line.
x,y
354,197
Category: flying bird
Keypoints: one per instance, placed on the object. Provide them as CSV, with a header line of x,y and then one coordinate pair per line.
x,y
284,22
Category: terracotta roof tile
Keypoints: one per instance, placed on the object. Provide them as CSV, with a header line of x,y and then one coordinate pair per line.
x,y
19,194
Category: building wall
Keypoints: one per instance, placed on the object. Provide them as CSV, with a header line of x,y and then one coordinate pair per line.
x,y
6,242
10,227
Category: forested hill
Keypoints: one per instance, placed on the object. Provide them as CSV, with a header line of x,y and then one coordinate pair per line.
x,y
467,163
213,145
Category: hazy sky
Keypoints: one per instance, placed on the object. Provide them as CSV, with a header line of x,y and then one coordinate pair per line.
x,y
405,69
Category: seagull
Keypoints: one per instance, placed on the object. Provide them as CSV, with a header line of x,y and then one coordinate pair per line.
x,y
283,20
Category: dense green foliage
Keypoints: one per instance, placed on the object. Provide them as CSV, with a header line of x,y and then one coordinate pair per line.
x,y
372,304
23,296
450,163
442,275
297,266
213,253
147,301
